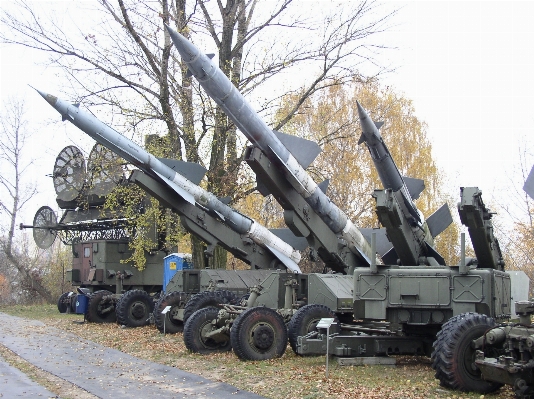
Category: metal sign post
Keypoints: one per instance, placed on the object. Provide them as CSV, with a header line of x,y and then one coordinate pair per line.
x,y
326,323
164,312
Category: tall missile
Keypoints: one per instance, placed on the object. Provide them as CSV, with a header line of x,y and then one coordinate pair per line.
x,y
413,241
224,93
164,171
387,170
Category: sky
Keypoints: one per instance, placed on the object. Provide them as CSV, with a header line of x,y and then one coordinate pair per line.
x,y
467,67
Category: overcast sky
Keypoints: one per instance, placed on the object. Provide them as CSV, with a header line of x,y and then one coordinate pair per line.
x,y
467,66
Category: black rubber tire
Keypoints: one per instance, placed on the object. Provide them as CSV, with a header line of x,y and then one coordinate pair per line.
x,y
205,299
305,320
62,303
200,322
259,334
134,308
176,300
98,309
453,357
73,300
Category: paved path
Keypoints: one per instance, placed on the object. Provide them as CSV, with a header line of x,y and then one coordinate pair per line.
x,y
104,372
15,384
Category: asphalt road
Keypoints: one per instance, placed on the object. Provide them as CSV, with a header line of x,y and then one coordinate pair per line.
x,y
15,384
101,371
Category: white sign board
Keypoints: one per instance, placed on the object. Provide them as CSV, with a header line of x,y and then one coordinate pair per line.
x,y
325,322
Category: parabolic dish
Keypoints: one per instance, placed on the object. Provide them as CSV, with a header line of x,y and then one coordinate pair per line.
x,y
104,168
44,227
69,173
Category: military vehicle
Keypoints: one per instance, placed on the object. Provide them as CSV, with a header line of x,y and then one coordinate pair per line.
x,y
474,352
175,184
115,290
392,308
206,287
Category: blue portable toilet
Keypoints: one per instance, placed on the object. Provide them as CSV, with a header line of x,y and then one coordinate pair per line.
x,y
173,263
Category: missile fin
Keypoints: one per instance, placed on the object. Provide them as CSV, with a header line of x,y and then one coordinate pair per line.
x,y
415,186
324,185
383,245
190,170
225,200
411,208
528,187
390,257
210,56
180,191
220,215
288,262
77,105
363,255
362,139
379,125
304,151
299,243
188,73
439,220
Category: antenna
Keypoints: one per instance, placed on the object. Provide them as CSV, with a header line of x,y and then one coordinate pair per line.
x,y
104,168
44,227
69,173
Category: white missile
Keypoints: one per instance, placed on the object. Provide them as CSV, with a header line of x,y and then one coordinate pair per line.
x,y
185,188
232,102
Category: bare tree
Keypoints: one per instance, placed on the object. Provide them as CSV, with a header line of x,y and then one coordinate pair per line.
x,y
15,194
126,54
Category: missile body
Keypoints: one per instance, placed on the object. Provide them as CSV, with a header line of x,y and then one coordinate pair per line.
x,y
232,102
411,235
188,190
387,170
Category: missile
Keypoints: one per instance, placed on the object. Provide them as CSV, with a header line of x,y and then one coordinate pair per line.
x,y
291,163
387,170
164,171
415,241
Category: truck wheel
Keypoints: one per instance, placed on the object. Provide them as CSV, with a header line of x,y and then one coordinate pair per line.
x,y
305,320
196,328
176,300
134,308
259,334
205,299
63,303
73,300
453,358
100,309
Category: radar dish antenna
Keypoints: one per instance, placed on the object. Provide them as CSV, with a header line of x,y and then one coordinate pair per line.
x,y
105,170
69,173
44,227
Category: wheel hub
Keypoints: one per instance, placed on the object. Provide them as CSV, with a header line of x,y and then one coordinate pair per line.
x,y
138,310
263,337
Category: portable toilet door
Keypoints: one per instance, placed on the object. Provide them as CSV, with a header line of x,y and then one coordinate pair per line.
x,y
172,263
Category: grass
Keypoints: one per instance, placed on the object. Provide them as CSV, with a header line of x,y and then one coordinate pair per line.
x,y
291,376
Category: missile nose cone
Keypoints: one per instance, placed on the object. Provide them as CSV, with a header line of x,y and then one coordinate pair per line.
x,y
361,112
369,129
48,97
187,50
